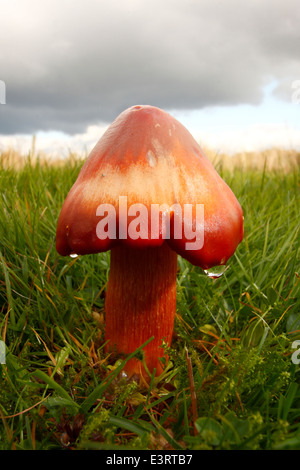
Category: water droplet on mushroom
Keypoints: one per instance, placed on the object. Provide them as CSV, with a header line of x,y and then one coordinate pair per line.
x,y
73,255
151,158
216,271
123,375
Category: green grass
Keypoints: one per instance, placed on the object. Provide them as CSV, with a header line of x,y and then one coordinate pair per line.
x,y
58,388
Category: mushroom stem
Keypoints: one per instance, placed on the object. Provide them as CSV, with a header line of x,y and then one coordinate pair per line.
x,y
141,303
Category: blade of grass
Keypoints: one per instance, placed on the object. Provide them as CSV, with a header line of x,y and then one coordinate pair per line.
x,y
8,291
51,383
99,390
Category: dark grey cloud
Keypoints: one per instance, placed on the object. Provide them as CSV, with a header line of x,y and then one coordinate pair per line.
x,y
69,64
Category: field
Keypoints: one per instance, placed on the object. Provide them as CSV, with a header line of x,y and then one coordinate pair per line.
x,y
58,388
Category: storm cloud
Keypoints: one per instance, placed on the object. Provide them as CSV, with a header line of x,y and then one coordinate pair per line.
x,y
67,65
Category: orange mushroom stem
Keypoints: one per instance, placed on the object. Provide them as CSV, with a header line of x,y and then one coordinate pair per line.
x,y
140,304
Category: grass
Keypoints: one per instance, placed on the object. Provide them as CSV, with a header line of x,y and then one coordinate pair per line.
x,y
58,389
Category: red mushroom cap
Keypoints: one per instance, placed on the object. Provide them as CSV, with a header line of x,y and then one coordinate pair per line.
x,y
151,159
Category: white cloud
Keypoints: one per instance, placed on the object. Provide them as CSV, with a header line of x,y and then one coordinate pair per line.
x,y
220,139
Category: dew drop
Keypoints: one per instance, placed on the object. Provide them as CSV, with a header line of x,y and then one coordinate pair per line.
x,y
151,158
216,271
73,255
123,375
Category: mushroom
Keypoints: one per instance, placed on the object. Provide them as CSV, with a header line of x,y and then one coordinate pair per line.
x,y
148,193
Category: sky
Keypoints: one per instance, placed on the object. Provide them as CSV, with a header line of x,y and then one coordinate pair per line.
x,y
228,70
